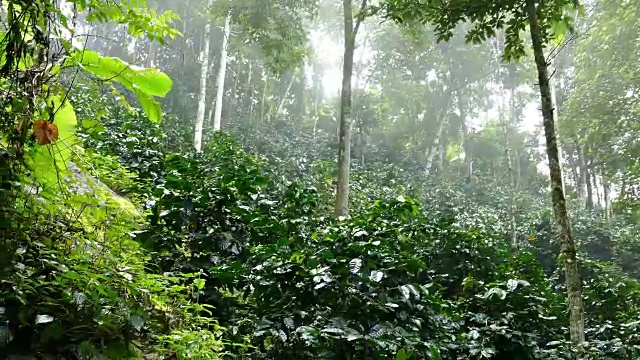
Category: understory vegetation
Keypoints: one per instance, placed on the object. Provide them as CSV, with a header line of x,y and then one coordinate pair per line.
x,y
130,230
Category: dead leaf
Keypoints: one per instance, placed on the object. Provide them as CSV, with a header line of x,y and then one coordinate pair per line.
x,y
45,132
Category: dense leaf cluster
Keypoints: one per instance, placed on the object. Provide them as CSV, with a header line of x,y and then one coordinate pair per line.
x,y
396,279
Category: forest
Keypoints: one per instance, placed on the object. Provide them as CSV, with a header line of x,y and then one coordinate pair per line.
x,y
319,179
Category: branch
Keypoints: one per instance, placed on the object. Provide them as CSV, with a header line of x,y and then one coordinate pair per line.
x,y
360,17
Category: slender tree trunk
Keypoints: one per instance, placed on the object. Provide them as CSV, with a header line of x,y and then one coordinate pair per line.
x,y
556,110
222,72
466,141
431,153
299,94
153,46
153,52
234,91
442,155
585,181
344,146
363,146
250,92
202,97
184,22
512,171
605,195
595,187
573,166
568,248
286,93
264,96
507,124
443,115
518,169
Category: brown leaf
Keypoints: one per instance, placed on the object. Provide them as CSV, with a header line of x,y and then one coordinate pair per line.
x,y
45,132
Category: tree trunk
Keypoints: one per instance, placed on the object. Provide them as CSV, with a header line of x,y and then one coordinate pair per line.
x,y
153,46
184,23
585,182
234,91
222,72
317,88
512,172
202,97
573,166
299,111
344,146
518,169
153,51
466,141
605,195
568,248
431,153
595,187
286,93
363,146
250,92
554,103
264,96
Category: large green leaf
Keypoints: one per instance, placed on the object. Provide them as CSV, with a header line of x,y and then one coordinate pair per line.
x,y
150,106
66,121
145,83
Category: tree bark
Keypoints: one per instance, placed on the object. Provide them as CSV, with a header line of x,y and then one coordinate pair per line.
x,y
344,146
153,45
567,245
585,182
512,180
431,153
506,128
605,194
442,117
286,93
466,141
556,110
222,73
202,97
573,166
250,90
264,95
595,188
234,91
184,17
153,51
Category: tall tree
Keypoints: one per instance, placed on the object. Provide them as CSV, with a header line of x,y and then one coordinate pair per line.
x,y
344,147
204,70
541,18
576,310
222,71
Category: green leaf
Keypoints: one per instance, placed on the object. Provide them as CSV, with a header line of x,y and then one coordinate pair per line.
x,y
434,353
43,319
376,276
402,355
137,321
145,83
354,265
150,106
92,126
199,283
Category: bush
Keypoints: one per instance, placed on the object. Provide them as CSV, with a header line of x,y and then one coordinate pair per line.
x,y
74,283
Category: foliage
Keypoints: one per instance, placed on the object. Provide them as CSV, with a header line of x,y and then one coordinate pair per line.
x,y
74,282
298,283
